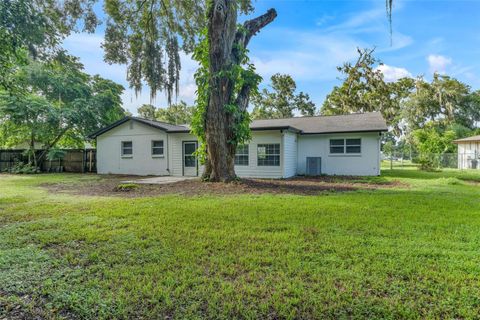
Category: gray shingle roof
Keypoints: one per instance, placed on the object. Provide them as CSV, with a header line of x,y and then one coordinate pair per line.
x,y
160,124
357,122
469,139
155,124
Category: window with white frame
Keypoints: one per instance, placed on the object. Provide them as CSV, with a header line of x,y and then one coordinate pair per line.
x,y
345,146
127,148
241,155
353,145
337,146
268,155
157,148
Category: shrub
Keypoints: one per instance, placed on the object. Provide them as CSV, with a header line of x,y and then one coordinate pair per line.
x,y
24,168
428,163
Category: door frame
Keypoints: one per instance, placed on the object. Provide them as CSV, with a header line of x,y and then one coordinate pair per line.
x,y
183,156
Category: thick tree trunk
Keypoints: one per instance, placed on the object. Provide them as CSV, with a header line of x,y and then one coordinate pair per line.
x,y
224,40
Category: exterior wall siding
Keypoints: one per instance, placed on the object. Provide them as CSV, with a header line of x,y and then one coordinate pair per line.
x,y
468,151
109,157
175,141
294,149
367,163
290,154
255,171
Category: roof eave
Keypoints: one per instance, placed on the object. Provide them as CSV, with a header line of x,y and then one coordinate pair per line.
x,y
179,131
464,141
108,128
289,128
349,131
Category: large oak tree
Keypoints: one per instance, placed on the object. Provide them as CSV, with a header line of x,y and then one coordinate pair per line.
x,y
148,36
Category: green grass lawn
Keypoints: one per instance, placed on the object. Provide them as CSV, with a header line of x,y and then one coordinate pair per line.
x,y
406,252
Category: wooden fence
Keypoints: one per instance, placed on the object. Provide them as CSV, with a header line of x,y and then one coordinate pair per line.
x,y
75,160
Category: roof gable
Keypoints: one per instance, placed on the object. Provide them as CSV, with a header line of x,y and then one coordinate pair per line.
x,y
167,127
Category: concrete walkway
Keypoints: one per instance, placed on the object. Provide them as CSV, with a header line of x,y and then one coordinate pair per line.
x,y
160,180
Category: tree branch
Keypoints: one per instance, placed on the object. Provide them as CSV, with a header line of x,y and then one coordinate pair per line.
x,y
252,27
242,38
255,25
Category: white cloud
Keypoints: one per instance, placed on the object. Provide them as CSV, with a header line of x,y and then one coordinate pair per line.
x,y
392,74
438,63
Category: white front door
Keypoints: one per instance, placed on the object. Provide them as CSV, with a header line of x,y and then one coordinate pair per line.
x,y
190,163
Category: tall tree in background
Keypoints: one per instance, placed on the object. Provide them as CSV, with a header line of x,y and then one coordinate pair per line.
x,y
282,101
444,100
177,113
147,111
365,90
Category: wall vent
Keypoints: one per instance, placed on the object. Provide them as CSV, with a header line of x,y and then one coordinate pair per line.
x,y
314,166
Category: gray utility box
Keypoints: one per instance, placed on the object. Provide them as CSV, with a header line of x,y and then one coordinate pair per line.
x,y
314,166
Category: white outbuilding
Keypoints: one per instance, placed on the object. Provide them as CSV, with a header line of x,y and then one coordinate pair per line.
x,y
279,148
468,152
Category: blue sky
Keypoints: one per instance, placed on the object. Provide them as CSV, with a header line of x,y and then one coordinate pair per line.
x,y
310,38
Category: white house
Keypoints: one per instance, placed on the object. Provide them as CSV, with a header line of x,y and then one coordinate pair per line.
x,y
468,152
280,148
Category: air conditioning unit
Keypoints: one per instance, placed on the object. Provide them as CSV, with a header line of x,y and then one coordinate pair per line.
x,y
314,166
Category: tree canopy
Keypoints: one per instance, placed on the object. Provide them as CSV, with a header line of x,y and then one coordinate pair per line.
x,y
147,111
148,35
444,99
364,90
282,101
177,113
35,28
60,104
407,103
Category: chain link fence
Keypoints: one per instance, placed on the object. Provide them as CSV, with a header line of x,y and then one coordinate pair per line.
x,y
401,160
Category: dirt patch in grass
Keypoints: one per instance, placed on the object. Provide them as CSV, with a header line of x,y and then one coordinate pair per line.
x,y
108,186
